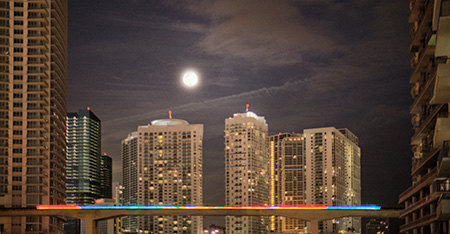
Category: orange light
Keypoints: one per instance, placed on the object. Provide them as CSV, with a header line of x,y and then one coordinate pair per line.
x,y
58,207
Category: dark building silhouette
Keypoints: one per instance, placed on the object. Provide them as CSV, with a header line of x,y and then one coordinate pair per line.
x,y
105,176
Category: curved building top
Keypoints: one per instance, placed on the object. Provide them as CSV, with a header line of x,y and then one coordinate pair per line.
x,y
169,122
250,114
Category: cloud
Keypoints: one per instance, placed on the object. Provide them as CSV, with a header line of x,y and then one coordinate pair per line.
x,y
262,31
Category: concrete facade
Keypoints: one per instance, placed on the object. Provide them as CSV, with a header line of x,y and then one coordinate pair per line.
x,y
246,170
426,201
169,172
333,173
33,91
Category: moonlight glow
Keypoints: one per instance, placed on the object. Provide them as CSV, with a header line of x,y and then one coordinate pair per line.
x,y
190,79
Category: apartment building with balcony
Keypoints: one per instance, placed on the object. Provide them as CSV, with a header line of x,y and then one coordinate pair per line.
x,y
427,200
287,179
246,170
33,84
333,174
166,157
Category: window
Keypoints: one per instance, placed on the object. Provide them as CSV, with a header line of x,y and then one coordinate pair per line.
x,y
17,123
18,68
18,22
18,95
17,187
18,50
17,160
18,59
17,178
18,13
18,77
17,104
17,132
17,169
17,151
18,41
18,31
18,4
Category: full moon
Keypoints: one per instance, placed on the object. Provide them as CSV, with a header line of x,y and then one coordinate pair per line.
x,y
190,79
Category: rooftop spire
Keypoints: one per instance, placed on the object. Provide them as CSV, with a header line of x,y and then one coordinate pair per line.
x,y
246,107
170,114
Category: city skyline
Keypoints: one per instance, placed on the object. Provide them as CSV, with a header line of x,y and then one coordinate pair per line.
x,y
126,60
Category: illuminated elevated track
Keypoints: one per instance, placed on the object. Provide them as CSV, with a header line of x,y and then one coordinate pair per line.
x,y
92,214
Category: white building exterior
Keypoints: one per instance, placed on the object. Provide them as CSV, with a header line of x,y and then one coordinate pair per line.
x,y
169,172
246,170
333,173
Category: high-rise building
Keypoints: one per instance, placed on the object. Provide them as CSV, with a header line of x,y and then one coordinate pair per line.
x,y
288,178
106,176
83,163
246,170
426,201
83,157
33,83
318,167
333,176
129,179
169,172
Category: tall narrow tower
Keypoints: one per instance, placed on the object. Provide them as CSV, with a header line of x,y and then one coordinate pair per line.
x,y
426,201
33,83
83,157
106,187
246,170
83,163
129,179
169,171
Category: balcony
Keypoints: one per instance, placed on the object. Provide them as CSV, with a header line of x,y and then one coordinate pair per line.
x,y
414,7
441,130
421,23
424,94
442,85
425,180
440,187
443,208
419,163
426,124
444,160
443,42
424,220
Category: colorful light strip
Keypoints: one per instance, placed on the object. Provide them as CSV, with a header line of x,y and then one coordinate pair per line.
x,y
75,207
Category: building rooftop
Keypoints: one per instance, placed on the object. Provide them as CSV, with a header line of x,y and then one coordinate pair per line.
x,y
169,122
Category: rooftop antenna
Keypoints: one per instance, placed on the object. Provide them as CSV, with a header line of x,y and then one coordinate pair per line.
x,y
246,107
170,114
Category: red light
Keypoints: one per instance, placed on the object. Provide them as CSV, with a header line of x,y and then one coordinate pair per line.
x,y
88,108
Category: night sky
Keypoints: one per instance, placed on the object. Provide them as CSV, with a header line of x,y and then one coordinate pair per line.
x,y
301,64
